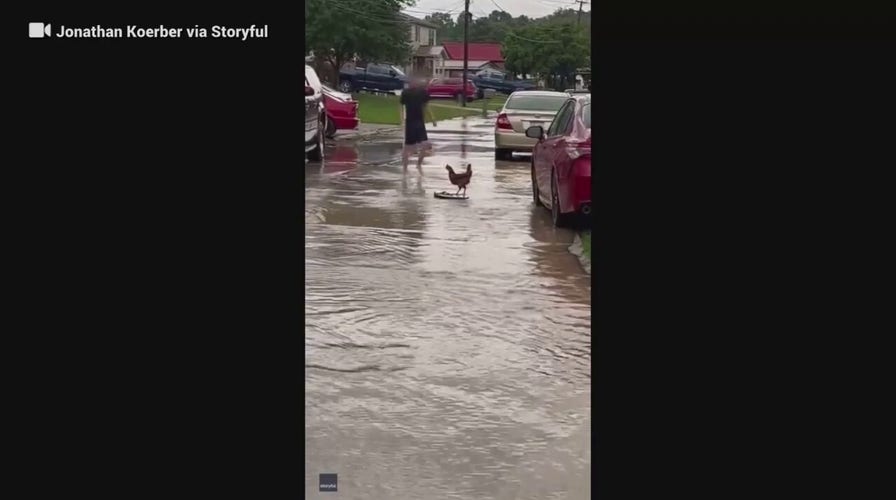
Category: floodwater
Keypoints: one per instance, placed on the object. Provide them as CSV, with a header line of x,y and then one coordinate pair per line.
x,y
447,342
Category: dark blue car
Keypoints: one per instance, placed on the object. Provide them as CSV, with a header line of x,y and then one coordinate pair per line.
x,y
498,81
373,77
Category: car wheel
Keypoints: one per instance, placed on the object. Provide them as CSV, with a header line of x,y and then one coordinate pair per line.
x,y
330,128
536,196
559,219
503,154
480,94
345,86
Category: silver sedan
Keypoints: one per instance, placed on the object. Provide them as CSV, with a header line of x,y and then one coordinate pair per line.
x,y
524,109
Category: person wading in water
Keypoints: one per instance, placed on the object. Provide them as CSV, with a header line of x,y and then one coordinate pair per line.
x,y
414,101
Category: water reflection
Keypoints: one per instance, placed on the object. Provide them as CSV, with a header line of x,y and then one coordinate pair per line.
x,y
341,156
416,188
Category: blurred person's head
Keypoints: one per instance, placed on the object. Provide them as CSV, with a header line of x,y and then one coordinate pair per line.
x,y
418,79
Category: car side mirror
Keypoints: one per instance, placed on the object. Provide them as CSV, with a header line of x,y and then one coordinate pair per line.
x,y
392,72
309,91
535,132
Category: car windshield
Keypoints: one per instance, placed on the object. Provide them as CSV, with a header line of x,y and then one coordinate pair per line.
x,y
398,71
536,102
586,115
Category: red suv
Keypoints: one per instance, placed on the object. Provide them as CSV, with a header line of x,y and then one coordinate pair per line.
x,y
450,87
561,161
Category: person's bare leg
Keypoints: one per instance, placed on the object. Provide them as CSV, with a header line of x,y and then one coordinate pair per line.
x,y
420,156
405,157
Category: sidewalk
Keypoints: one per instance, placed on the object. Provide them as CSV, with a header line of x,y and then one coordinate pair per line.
x,y
472,108
365,130
372,129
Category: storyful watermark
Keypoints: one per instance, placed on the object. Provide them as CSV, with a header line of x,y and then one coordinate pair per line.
x,y
42,30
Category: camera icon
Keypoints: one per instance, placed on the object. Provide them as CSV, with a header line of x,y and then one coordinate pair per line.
x,y
38,30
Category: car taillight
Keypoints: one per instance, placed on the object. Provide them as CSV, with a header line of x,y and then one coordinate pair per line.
x,y
576,149
503,122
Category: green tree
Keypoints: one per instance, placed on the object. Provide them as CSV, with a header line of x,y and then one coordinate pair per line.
x,y
447,30
551,51
519,57
338,30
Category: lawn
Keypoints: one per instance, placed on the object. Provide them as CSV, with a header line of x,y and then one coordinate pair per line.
x,y
385,109
496,102
586,244
378,108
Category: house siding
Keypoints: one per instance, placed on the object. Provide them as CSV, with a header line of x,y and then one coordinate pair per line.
x,y
421,36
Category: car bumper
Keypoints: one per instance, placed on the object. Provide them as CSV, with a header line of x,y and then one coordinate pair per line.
x,y
343,123
516,141
579,188
581,195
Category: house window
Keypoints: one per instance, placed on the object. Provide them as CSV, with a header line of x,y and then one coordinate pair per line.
x,y
416,33
432,37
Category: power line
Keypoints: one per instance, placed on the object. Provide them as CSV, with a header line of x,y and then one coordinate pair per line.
x,y
379,15
570,3
453,10
500,8
510,33
382,17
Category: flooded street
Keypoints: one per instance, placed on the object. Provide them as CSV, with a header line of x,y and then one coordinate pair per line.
x,y
447,342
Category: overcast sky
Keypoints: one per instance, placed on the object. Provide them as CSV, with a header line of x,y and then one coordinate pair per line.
x,y
481,8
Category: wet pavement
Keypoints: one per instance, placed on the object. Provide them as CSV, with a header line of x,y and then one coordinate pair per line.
x,y
447,342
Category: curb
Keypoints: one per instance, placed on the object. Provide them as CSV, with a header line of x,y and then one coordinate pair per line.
x,y
392,130
361,135
577,250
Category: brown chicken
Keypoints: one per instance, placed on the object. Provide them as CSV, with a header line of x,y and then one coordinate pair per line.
x,y
460,180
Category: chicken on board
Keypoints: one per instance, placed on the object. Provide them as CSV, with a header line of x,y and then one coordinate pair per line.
x,y
460,180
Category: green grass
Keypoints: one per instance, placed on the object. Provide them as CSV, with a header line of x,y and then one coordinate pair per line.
x,y
441,112
378,109
386,109
586,244
496,102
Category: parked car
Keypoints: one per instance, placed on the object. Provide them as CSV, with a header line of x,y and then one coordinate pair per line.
x,y
499,82
375,77
315,117
561,161
341,110
523,109
450,87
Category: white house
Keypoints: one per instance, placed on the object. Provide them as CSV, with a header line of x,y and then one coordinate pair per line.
x,y
423,45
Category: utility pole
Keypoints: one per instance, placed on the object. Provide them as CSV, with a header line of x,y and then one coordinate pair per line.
x,y
578,22
466,52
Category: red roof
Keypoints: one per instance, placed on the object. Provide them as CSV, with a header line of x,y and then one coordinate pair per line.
x,y
475,51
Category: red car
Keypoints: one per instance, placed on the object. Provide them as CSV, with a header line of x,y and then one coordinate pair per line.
x,y
450,87
561,162
341,109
